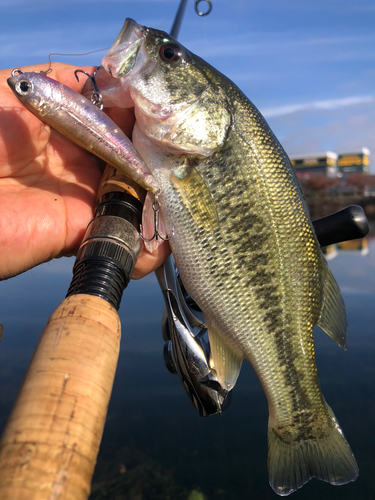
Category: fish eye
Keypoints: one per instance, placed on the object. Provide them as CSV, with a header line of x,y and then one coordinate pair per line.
x,y
23,87
170,52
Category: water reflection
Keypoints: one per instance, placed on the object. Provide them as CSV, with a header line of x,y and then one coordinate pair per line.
x,y
356,246
155,446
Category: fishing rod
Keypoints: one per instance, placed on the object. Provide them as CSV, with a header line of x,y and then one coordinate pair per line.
x,y
181,11
50,443
49,447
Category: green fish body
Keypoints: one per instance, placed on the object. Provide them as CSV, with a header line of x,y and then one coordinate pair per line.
x,y
244,244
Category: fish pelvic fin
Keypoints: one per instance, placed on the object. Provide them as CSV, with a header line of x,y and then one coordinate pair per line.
x,y
332,318
326,456
226,361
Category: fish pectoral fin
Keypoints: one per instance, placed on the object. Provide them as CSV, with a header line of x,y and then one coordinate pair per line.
x,y
332,319
197,198
225,360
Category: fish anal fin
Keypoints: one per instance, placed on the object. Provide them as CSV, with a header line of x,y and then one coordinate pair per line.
x,y
332,319
226,361
326,456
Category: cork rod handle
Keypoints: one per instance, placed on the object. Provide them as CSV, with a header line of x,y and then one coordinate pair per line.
x,y
50,444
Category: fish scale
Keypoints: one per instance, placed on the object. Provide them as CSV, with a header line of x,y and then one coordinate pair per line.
x,y
243,243
252,296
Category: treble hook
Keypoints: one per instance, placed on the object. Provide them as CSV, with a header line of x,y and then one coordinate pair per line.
x,y
96,96
155,207
199,12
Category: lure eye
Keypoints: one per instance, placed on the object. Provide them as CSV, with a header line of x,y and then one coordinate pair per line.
x,y
23,87
170,52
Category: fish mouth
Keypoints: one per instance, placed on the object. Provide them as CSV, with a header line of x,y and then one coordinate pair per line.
x,y
121,57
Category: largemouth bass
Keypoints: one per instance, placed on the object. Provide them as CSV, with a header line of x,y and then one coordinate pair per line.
x,y
244,243
81,121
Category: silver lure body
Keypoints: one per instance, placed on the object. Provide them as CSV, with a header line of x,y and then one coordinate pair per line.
x,y
81,121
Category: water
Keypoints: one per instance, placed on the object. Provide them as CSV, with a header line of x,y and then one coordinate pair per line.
x,y
155,446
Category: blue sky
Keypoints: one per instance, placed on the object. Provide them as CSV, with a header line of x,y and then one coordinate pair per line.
x,y
308,66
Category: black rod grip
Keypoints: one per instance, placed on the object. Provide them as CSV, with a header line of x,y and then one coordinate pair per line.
x,y
109,250
347,224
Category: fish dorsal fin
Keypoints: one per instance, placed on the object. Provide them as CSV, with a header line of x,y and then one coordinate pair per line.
x,y
197,198
225,360
332,319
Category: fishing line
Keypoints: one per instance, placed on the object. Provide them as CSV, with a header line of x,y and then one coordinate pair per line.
x,y
69,55
165,20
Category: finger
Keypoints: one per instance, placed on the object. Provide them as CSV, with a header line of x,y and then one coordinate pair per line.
x,y
64,73
61,72
148,262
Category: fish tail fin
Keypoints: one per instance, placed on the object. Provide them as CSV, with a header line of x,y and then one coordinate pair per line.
x,y
327,456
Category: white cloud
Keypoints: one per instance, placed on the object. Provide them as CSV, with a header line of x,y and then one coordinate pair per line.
x,y
43,42
317,105
256,44
39,4
342,129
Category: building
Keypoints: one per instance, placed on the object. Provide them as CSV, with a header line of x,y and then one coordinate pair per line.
x,y
321,163
332,164
349,163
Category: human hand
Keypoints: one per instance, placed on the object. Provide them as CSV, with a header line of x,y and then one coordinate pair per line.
x,y
48,185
